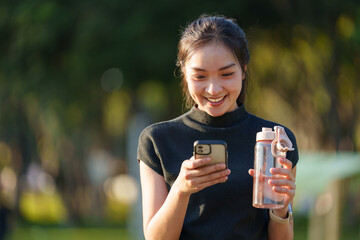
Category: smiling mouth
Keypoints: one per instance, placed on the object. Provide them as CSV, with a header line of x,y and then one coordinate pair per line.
x,y
215,100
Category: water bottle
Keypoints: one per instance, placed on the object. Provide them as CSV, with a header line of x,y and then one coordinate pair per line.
x,y
270,147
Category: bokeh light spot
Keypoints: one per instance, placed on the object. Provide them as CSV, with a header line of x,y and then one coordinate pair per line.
x,y
345,26
112,79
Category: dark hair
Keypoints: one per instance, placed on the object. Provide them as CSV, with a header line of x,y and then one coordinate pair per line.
x,y
208,29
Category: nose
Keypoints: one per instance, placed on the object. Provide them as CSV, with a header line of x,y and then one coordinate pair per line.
x,y
213,88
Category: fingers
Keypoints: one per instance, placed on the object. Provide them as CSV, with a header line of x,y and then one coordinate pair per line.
x,y
196,168
211,177
287,164
200,183
251,172
282,183
285,181
289,193
284,186
193,163
284,172
197,175
207,173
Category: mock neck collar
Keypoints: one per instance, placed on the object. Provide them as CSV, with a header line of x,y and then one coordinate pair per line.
x,y
226,120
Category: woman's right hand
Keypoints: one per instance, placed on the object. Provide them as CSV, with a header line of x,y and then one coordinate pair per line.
x,y
195,175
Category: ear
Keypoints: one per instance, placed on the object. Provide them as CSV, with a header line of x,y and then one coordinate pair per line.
x,y
244,72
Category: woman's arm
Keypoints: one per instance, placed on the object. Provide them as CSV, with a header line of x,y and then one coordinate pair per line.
x,y
286,186
163,211
160,218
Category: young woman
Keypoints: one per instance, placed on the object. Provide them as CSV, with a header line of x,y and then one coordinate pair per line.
x,y
182,197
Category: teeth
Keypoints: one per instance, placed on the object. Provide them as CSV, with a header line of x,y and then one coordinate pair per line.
x,y
215,100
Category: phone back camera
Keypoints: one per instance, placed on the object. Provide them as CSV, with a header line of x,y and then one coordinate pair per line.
x,y
203,149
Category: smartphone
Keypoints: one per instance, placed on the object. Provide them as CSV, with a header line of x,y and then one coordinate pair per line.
x,y
216,149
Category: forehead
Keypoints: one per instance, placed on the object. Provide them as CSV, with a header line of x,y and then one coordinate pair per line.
x,y
213,55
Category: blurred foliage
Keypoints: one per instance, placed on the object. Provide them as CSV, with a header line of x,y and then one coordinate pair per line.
x,y
73,73
43,208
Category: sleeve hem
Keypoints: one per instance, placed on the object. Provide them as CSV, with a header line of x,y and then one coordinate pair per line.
x,y
156,169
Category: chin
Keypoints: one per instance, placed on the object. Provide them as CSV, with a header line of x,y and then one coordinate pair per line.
x,y
215,113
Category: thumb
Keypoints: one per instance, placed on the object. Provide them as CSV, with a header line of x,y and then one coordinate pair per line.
x,y
252,172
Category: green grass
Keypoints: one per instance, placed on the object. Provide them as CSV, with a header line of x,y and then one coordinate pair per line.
x,y
41,233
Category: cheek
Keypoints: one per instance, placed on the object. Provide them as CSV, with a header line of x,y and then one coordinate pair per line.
x,y
194,89
235,89
191,86
238,86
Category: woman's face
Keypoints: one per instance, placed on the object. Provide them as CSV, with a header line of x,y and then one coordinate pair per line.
x,y
214,78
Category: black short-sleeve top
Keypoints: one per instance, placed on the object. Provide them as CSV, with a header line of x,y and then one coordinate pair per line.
x,y
222,211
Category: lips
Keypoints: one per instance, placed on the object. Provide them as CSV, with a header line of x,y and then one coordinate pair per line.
x,y
215,101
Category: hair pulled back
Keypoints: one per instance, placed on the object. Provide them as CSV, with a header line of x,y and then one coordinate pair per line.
x,y
207,29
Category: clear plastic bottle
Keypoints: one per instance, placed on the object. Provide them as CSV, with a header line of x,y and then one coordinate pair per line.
x,y
270,147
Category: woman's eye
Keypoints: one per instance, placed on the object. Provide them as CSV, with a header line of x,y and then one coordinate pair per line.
x,y
198,77
227,74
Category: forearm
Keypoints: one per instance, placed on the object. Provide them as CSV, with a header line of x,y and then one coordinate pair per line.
x,y
281,221
168,221
164,212
281,231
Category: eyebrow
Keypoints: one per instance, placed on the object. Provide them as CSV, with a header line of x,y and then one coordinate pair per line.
x,y
220,69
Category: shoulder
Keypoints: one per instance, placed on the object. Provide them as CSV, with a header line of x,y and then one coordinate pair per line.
x,y
154,141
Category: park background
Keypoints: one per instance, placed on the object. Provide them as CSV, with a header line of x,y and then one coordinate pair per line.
x,y
79,80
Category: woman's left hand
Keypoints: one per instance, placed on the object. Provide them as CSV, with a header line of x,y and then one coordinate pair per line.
x,y
284,184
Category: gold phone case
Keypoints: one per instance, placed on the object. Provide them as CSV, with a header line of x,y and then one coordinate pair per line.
x,y
216,149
